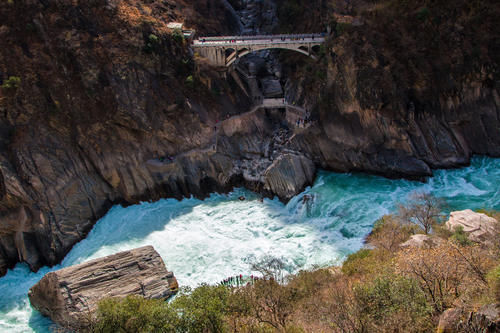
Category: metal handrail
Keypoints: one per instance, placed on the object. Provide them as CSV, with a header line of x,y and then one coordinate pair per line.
x,y
243,37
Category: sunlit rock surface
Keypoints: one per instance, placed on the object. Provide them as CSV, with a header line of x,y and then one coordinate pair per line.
x,y
68,296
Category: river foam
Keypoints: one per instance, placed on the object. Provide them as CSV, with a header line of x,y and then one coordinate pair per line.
x,y
206,241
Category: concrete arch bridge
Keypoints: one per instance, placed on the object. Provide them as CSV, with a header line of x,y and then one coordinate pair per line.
x,y
224,51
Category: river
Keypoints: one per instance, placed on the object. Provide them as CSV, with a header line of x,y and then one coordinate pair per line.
x,y
206,241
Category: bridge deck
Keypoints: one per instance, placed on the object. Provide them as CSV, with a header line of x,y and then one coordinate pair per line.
x,y
259,40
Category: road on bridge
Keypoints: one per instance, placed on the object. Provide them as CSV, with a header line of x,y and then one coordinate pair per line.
x,y
258,40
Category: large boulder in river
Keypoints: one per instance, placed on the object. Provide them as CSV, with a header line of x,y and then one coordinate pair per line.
x,y
480,227
288,175
69,296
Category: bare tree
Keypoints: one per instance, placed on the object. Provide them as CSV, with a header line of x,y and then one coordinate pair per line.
x,y
271,268
423,209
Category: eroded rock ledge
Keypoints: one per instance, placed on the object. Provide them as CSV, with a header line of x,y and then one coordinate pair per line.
x,y
68,296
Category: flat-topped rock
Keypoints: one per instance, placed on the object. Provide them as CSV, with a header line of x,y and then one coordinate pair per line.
x,y
422,241
480,227
70,294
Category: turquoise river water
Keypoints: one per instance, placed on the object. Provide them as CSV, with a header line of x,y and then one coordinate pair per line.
x,y
207,241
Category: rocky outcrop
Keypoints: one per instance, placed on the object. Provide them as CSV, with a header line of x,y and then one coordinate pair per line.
x,y
422,241
70,295
448,321
485,319
288,175
479,227
387,101
102,91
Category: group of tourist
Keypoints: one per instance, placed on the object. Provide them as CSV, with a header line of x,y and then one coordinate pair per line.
x,y
238,281
167,158
302,122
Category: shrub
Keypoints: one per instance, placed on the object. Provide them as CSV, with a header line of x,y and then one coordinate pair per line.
x,y
393,303
202,309
388,233
134,314
13,82
152,44
366,263
340,28
178,36
460,237
494,282
423,14
268,302
190,82
446,272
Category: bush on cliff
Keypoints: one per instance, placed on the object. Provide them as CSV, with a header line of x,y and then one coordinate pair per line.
x,y
13,82
198,310
134,314
393,302
494,281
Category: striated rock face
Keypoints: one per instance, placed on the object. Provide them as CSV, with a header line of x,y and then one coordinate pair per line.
x,y
479,226
68,296
288,175
103,94
399,93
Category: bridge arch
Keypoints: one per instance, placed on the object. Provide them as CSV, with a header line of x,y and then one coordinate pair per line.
x,y
243,52
223,51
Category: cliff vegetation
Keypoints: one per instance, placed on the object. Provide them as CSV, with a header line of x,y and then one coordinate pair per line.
x,y
392,285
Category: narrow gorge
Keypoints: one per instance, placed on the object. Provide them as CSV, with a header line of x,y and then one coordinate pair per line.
x,y
109,114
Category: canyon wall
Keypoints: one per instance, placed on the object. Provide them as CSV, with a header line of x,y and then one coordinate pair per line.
x,y
401,88
109,108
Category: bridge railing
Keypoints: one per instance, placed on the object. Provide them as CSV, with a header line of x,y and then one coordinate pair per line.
x,y
257,37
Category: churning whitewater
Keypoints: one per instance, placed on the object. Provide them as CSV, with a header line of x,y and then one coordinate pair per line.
x,y
207,241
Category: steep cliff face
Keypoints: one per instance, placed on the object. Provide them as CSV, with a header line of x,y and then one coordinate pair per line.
x,y
410,86
93,92
103,87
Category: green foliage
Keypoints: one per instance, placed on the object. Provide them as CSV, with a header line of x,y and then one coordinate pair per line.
x,y
184,68
460,237
341,28
190,82
199,310
491,213
494,282
357,262
134,314
153,44
202,309
13,82
423,14
394,299
178,36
